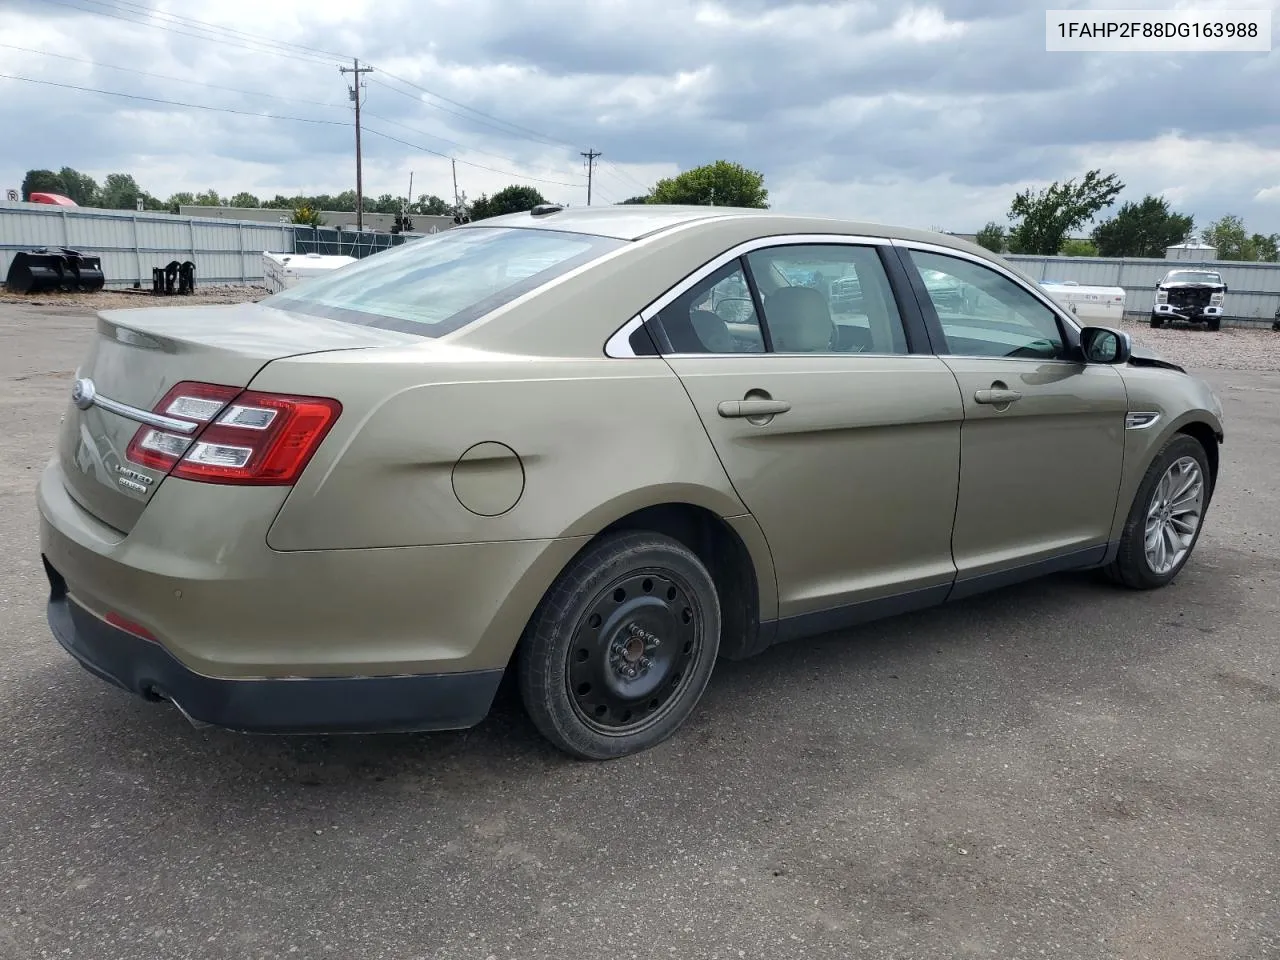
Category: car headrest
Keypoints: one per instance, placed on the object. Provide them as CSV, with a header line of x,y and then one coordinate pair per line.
x,y
799,320
711,330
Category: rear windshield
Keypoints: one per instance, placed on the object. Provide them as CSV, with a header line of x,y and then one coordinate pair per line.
x,y
438,284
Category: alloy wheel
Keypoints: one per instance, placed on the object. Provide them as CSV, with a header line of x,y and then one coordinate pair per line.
x,y
1174,515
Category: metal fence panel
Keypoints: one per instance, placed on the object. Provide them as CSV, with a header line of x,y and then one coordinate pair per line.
x,y
1253,289
131,244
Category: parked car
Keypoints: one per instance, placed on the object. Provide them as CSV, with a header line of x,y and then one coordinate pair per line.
x,y
1193,295
358,503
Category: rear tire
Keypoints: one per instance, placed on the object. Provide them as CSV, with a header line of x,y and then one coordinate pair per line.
x,y
618,653
1214,324
1157,321
1166,517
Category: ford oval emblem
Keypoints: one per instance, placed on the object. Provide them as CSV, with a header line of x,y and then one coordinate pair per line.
x,y
82,393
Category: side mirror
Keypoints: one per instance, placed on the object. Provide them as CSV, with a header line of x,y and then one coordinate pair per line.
x,y
1104,345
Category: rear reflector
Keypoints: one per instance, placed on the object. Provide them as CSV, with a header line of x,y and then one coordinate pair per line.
x,y
260,438
128,626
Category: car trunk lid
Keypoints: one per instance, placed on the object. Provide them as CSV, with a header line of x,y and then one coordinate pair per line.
x,y
138,356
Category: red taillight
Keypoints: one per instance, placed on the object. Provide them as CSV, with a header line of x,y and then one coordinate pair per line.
x,y
245,437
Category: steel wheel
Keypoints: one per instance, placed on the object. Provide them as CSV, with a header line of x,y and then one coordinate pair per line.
x,y
632,652
1174,515
618,654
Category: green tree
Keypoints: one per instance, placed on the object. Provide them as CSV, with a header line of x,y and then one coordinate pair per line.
x,y
209,198
384,204
307,216
512,199
183,198
41,181
80,187
992,237
344,202
1228,236
432,206
719,184
1043,220
244,199
120,192
644,199
1079,247
1143,229
1266,248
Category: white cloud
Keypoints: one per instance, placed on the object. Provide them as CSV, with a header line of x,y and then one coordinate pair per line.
x,y
926,113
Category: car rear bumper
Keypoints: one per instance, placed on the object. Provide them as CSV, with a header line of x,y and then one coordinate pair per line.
x,y
240,635
448,701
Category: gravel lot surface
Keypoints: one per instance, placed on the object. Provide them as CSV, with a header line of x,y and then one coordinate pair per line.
x,y
1059,770
125,299
1232,348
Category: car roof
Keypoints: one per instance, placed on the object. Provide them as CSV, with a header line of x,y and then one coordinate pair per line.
x,y
636,221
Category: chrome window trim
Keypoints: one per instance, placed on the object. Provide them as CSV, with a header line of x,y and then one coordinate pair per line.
x,y
1054,307
618,346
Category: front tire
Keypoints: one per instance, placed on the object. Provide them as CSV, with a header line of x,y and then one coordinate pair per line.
x,y
1157,321
1214,324
620,650
1166,517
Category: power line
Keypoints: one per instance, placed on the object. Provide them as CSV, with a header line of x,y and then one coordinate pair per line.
x,y
255,37
479,166
172,103
470,119
128,12
622,174
264,46
554,141
434,136
273,116
161,76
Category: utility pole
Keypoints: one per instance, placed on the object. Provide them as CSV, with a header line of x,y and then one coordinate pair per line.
x,y
591,162
355,70
459,197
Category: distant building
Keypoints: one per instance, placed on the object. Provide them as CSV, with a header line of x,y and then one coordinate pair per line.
x,y
377,222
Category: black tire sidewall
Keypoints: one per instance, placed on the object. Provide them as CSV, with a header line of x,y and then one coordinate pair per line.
x,y
543,661
1134,568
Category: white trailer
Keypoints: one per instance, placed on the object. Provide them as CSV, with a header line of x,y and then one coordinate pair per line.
x,y
1093,306
283,270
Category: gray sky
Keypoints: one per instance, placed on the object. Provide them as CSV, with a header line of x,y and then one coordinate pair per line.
x,y
928,114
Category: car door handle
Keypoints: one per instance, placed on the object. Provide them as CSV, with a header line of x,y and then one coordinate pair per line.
x,y
752,408
998,396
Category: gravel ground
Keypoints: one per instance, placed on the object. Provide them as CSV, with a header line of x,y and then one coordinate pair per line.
x,y
125,299
1233,348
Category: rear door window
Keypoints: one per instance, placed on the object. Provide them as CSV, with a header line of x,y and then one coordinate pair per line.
x,y
441,283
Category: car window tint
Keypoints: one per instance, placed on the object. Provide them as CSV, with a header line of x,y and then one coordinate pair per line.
x,y
827,298
984,314
716,315
440,283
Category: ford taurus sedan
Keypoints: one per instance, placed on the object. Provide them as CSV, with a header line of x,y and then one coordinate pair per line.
x,y
532,444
